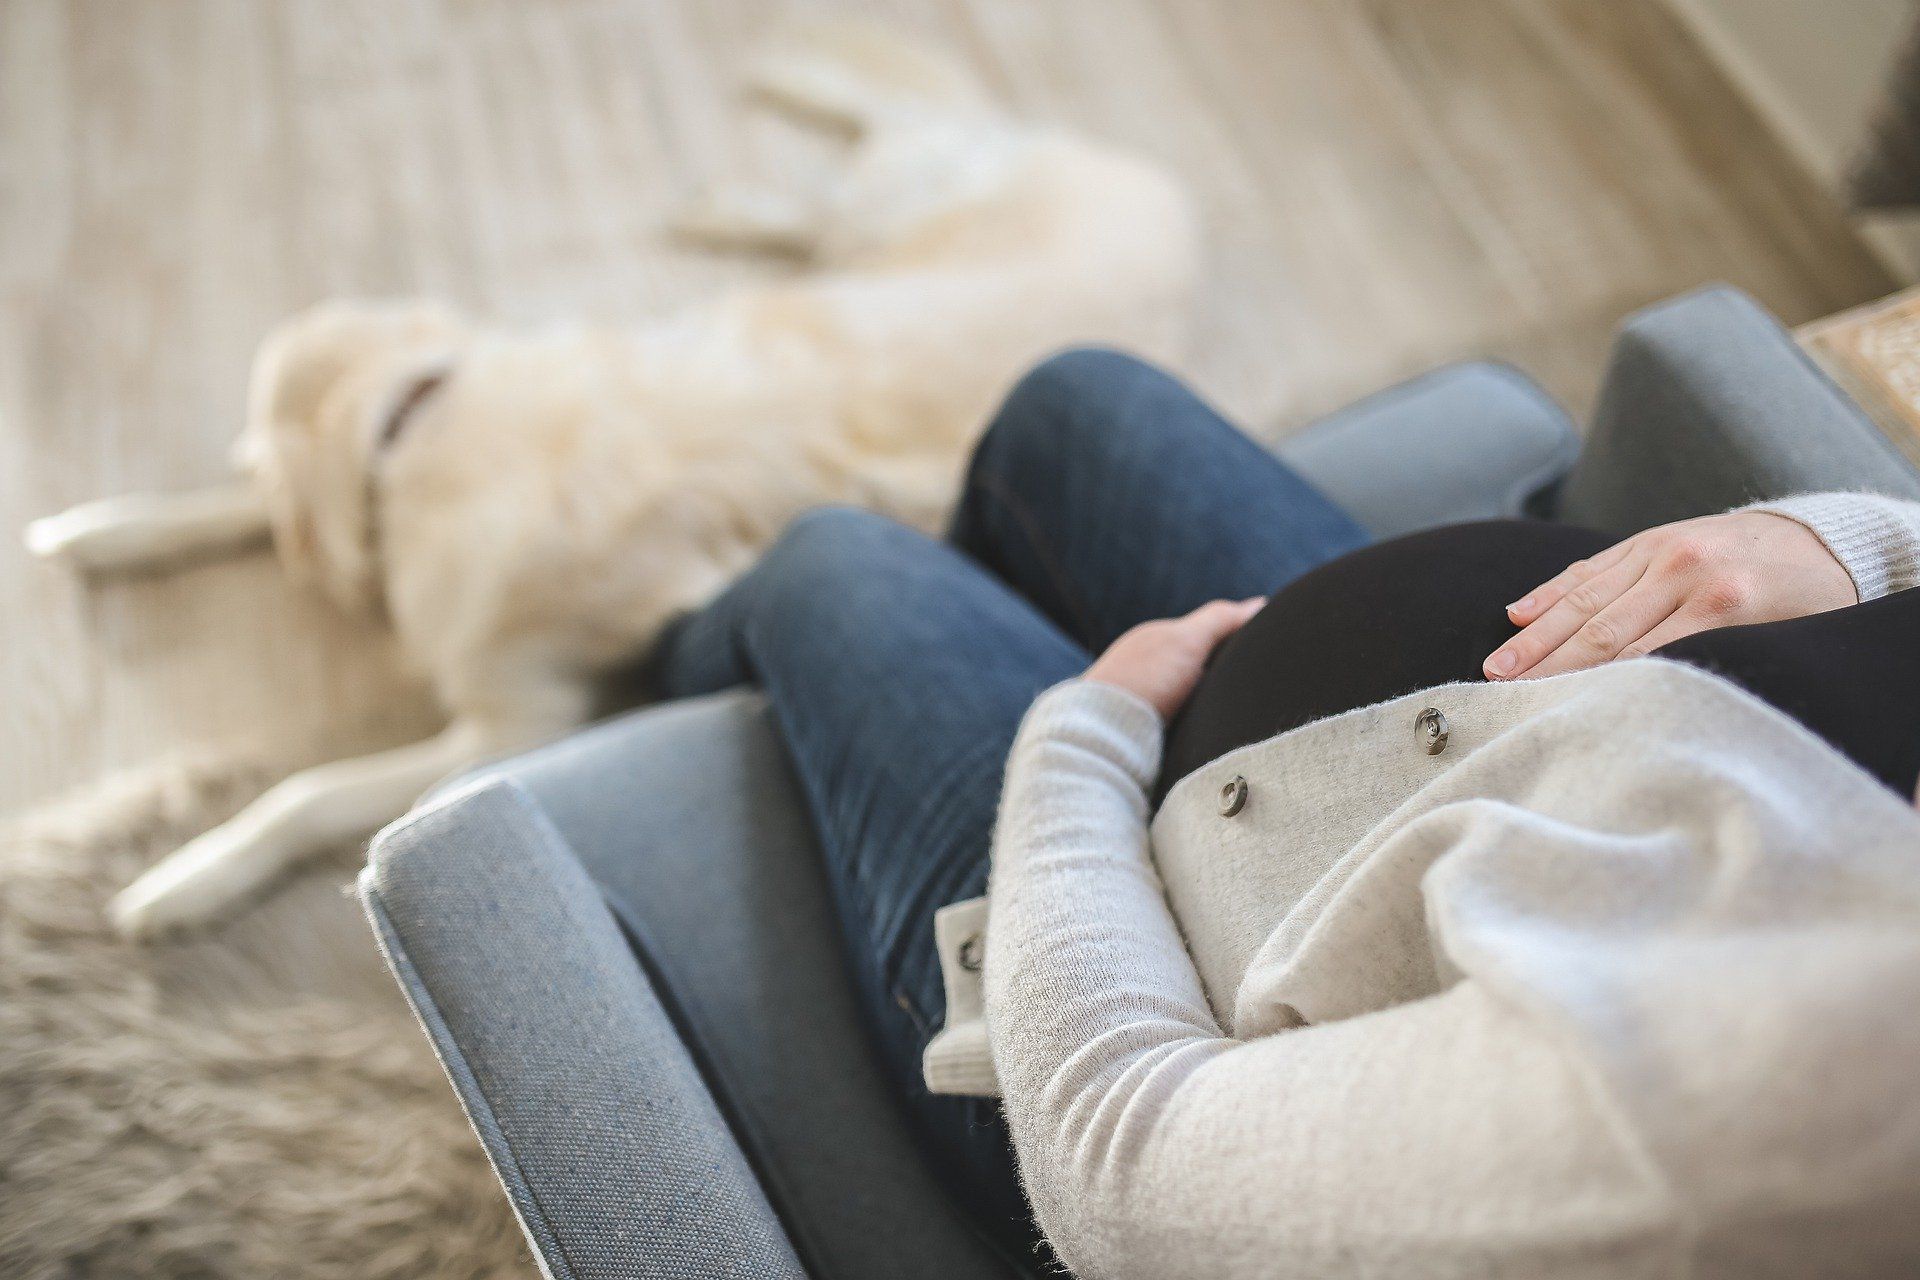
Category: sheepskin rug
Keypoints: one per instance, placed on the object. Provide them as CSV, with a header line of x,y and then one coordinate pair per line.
x,y
256,1103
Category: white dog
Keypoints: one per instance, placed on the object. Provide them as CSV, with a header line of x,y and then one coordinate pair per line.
x,y
526,510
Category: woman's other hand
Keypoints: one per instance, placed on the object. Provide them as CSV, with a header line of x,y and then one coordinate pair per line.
x,y
1695,575
1160,662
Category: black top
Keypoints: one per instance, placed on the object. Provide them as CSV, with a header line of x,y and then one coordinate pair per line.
x,y
1427,609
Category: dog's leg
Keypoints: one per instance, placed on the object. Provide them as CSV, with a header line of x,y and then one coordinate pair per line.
x,y
312,811
152,531
849,76
749,219
853,75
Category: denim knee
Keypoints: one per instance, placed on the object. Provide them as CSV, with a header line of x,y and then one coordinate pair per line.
x,y
831,568
822,547
1065,404
838,525
838,569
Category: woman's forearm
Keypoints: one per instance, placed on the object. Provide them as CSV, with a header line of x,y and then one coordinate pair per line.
x,y
1092,1003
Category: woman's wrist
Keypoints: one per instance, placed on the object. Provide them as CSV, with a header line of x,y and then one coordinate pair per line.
x,y
1876,539
1160,662
1090,716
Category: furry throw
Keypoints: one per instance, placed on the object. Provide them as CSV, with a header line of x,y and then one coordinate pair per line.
x,y
255,1103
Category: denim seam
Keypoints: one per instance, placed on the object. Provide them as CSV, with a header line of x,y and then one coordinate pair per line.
x,y
894,959
991,485
746,644
858,879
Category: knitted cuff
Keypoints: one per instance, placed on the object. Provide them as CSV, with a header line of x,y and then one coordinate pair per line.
x,y
1875,538
1103,718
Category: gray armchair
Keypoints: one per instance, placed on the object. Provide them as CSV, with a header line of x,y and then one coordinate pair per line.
x,y
622,947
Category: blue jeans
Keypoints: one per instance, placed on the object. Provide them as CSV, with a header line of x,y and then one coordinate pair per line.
x,y
1104,494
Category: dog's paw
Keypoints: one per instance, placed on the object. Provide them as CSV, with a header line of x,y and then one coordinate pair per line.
x,y
183,891
745,219
140,914
52,537
147,910
853,74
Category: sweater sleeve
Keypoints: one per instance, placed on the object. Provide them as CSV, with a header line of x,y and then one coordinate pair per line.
x,y
1094,1011
1430,1140
1876,538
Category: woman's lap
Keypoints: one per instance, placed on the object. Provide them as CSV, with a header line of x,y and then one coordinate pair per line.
x,y
898,670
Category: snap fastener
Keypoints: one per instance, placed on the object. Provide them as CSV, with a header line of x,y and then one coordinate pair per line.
x,y
1233,796
972,953
1431,728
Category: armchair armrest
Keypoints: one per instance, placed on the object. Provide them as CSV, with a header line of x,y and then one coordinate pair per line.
x,y
613,1152
1708,403
687,822
1465,442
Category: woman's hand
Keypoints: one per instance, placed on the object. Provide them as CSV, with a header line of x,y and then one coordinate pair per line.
x,y
1160,662
1717,571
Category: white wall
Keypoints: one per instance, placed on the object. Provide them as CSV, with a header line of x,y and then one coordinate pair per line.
x,y
1815,68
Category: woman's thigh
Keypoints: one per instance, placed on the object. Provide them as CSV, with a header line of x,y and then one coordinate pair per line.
x,y
898,672
1108,493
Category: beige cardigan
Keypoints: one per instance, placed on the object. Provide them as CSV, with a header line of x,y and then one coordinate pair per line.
x,y
1622,981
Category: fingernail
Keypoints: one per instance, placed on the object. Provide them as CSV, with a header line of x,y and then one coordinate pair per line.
x,y
1520,605
1502,663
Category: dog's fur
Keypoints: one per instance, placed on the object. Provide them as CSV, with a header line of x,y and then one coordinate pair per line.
x,y
525,511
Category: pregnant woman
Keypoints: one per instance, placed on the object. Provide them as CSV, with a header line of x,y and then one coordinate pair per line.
x,y
1375,951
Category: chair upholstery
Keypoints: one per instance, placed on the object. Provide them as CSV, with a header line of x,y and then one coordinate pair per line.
x,y
601,1129
683,825
1465,442
1708,404
686,820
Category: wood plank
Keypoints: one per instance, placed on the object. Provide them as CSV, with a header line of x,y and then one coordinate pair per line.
x,y
1874,353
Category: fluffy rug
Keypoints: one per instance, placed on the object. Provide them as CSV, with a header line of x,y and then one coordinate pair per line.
x,y
255,1103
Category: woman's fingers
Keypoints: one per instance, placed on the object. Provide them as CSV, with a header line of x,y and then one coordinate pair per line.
x,y
1619,630
1590,624
1161,661
1530,607
1218,619
1559,623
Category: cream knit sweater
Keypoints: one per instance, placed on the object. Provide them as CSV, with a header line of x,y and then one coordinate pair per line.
x,y
1623,982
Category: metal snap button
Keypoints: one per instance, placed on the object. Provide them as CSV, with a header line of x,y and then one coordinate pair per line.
x,y
1233,796
972,953
1431,728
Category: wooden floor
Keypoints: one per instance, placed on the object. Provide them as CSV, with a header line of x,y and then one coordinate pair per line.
x,y
1390,183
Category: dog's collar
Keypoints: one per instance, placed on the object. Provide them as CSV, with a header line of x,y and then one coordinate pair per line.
x,y
404,410
407,405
